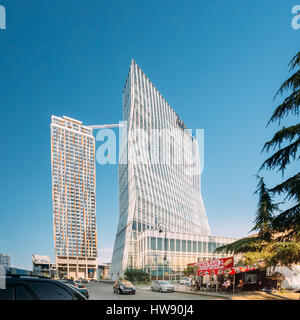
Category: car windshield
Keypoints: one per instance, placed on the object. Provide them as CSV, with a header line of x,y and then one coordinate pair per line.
x,y
164,282
127,284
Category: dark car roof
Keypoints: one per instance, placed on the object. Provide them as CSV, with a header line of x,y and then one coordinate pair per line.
x,y
14,280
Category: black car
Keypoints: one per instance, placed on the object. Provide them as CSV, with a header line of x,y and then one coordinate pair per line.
x,y
123,286
19,287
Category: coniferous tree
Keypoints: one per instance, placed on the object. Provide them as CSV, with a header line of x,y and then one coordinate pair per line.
x,y
287,222
278,238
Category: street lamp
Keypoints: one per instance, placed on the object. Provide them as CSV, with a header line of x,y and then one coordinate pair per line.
x,y
161,229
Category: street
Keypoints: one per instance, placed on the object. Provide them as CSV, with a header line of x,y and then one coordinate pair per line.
x,y
103,291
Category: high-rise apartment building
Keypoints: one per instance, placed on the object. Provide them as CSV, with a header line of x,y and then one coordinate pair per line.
x,y
74,197
162,220
5,260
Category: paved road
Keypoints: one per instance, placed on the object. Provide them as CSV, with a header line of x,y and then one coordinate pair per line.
x,y
103,291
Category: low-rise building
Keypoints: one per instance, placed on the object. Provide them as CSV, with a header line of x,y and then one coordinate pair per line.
x,y
103,271
42,265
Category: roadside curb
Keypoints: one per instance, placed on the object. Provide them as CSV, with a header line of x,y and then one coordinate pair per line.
x,y
207,294
106,281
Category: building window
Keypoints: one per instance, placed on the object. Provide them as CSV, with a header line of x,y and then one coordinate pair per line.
x,y
189,246
153,243
159,243
194,246
204,247
209,247
172,245
199,246
177,245
166,244
134,225
183,245
214,246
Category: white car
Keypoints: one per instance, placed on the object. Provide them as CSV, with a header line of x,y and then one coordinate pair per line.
x,y
184,281
162,286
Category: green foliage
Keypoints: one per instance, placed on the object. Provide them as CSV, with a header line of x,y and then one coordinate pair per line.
x,y
278,238
136,275
253,244
284,253
265,211
190,271
287,222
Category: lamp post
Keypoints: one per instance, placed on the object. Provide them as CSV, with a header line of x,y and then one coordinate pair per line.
x,y
161,229
155,255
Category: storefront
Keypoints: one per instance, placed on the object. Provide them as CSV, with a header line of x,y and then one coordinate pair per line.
x,y
220,275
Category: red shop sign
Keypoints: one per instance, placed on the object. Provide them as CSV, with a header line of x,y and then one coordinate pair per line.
x,y
215,264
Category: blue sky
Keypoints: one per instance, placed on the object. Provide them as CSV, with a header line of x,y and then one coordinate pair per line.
x,y
218,64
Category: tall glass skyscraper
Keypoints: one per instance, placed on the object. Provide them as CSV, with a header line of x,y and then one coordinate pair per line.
x,y
73,194
162,219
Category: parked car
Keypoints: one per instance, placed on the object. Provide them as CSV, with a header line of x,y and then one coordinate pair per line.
x,y
81,289
75,283
124,286
162,286
19,287
70,281
81,280
78,284
184,281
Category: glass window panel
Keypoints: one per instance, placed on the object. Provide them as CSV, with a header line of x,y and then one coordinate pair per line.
x,y
49,291
194,246
172,244
189,245
134,225
204,247
166,244
183,243
159,243
177,245
214,246
199,246
153,243
209,247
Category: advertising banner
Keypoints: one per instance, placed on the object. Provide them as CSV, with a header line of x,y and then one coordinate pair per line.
x,y
235,270
220,266
215,264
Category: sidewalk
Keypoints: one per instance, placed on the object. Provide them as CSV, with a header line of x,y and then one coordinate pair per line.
x,y
255,295
250,295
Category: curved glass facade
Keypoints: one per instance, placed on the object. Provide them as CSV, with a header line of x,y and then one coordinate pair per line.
x,y
159,184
